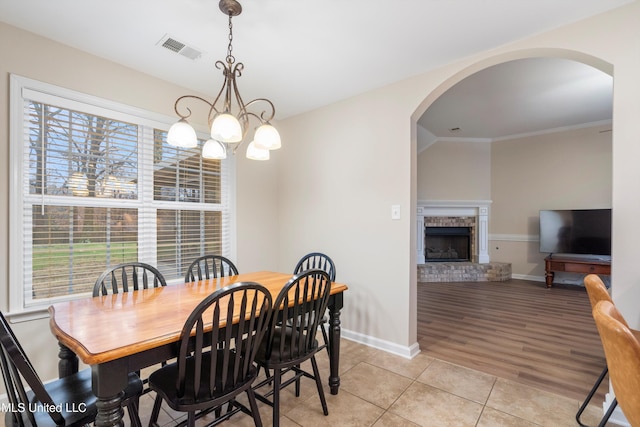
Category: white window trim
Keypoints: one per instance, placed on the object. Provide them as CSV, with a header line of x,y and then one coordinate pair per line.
x,y
45,92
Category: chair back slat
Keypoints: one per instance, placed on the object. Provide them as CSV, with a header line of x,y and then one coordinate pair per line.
x,y
227,344
127,277
114,285
214,333
15,367
301,303
242,325
210,267
316,260
197,355
250,341
215,337
16,393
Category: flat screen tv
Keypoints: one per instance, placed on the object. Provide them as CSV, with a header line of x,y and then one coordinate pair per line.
x,y
585,232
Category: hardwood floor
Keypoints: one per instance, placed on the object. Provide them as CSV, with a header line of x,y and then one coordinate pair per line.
x,y
518,330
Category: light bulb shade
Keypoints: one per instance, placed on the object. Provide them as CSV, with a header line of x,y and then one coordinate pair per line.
x,y
213,149
255,153
182,134
226,128
267,137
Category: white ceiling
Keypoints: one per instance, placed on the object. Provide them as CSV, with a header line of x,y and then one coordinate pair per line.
x,y
306,54
522,97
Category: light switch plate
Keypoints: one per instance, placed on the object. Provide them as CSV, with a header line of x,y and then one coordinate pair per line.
x,y
395,211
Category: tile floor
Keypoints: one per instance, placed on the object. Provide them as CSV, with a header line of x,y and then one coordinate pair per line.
x,y
382,390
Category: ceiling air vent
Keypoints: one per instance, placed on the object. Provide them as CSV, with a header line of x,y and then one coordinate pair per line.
x,y
174,45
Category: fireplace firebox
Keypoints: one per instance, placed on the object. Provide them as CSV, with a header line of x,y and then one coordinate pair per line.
x,y
447,244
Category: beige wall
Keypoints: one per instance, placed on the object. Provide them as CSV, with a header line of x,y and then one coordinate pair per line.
x,y
257,213
524,255
564,170
31,56
455,170
342,174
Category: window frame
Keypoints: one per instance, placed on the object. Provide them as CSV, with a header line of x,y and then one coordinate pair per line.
x,y
22,88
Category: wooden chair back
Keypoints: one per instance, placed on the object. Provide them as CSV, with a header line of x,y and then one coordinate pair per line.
x,y
316,260
300,305
210,267
622,351
15,366
217,361
129,276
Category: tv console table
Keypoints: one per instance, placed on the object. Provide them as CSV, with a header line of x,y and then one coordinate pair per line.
x,y
572,265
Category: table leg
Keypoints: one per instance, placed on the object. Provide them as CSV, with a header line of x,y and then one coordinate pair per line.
x,y
108,381
68,363
110,412
335,305
548,277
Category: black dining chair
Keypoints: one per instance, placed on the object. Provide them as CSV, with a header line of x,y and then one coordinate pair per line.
x,y
316,260
210,267
128,276
322,262
216,350
68,401
300,306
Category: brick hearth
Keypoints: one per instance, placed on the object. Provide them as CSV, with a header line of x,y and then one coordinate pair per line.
x,y
464,272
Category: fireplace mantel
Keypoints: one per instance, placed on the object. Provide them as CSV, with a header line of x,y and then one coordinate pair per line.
x,y
453,208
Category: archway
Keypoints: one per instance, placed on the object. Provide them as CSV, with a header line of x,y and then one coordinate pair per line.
x,y
471,70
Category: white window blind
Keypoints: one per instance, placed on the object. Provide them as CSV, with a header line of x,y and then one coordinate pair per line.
x,y
97,185
185,180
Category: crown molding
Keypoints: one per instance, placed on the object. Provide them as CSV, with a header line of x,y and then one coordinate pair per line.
x,y
515,136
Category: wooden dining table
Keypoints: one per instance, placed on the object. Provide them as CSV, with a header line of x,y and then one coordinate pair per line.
x,y
122,333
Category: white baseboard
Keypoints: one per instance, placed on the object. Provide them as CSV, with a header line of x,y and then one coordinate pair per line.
x,y
528,277
388,346
561,277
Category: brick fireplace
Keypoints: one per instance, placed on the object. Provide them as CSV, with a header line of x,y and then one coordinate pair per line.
x,y
452,217
456,213
449,239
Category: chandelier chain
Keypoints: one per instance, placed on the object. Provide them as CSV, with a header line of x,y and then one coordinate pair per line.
x,y
230,58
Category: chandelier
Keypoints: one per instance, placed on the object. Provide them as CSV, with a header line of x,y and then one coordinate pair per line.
x,y
229,116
